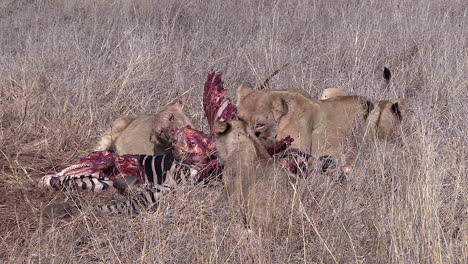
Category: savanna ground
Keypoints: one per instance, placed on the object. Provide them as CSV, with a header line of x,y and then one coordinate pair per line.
x,y
68,68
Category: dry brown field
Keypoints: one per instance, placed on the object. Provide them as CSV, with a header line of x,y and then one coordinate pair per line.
x,y
69,67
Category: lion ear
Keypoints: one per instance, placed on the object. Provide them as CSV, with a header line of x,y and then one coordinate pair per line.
x,y
176,106
397,107
369,107
171,118
284,106
242,91
221,127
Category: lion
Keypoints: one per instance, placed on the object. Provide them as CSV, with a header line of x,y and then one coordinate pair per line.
x,y
254,184
385,119
318,127
266,122
147,134
384,122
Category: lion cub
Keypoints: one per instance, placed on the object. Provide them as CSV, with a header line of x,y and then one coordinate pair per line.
x,y
144,134
254,184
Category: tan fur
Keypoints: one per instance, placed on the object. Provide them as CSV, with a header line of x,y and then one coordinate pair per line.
x,y
383,123
263,111
144,134
318,127
245,89
261,191
385,120
332,92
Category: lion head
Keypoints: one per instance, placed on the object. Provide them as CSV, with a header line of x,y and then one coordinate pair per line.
x,y
386,118
171,117
235,140
267,111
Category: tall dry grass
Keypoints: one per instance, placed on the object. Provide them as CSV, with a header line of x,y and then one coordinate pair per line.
x,y
70,67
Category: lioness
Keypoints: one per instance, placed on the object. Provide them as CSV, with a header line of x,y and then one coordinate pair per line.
x,y
144,134
255,185
265,112
318,127
384,120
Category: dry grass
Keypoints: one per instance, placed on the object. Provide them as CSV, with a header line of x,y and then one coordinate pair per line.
x,y
70,67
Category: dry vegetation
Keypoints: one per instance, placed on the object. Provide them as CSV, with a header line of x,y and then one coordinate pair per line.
x,y
69,67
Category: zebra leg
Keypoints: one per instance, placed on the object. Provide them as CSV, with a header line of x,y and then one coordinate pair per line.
x,y
53,181
93,182
143,199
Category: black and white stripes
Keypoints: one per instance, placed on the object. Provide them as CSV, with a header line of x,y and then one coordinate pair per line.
x,y
155,170
93,182
161,174
142,199
156,167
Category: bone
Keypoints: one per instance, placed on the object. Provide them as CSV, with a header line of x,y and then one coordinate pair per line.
x,y
71,168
